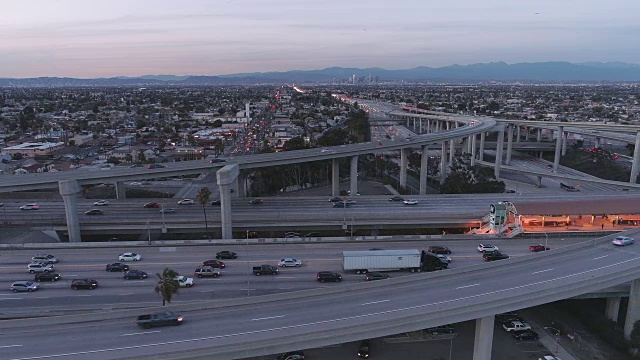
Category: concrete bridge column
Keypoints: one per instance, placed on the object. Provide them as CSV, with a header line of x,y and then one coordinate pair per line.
x,y
414,124
539,182
443,164
241,189
226,176
499,148
335,177
120,190
509,143
69,189
466,144
424,164
484,338
236,188
597,143
428,126
473,149
420,127
564,143
404,161
556,159
517,133
633,309
481,155
636,160
539,135
526,137
354,176
613,308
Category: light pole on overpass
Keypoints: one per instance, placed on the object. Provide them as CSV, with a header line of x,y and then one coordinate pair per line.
x,y
546,240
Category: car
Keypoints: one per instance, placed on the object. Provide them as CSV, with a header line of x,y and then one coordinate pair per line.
x,y
437,249
168,211
1,204
444,258
256,202
442,329
494,255
47,276
291,234
549,357
289,262
525,335
487,247
364,349
214,264
341,204
376,276
129,256
326,150
84,284
506,317
539,247
186,202
216,202
206,271
226,255
101,203
45,258
510,326
28,286
396,198
38,267
117,267
94,212
323,276
150,205
184,281
376,249
410,202
135,166
135,274
622,241
155,166
213,161
135,183
510,191
336,199
29,207
291,355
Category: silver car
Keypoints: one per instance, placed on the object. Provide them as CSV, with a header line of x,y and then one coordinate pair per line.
x,y
289,262
37,267
622,241
24,286
45,258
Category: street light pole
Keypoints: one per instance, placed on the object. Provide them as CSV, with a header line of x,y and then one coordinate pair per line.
x,y
546,240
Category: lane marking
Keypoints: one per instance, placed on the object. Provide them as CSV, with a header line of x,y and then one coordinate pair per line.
x,y
286,277
375,302
600,257
267,318
141,333
541,271
467,286
12,299
126,294
9,346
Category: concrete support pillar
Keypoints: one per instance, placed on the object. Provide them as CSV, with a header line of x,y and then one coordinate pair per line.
x,y
499,148
241,190
466,146
420,127
556,159
404,162
428,126
69,190
633,309
414,125
335,177
236,187
613,308
424,164
354,176
509,143
597,143
517,133
636,160
120,190
526,137
443,163
473,149
481,155
564,143
484,338
226,176
452,151
539,135
539,182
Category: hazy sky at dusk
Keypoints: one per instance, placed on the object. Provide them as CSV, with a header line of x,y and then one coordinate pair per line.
x,y
91,38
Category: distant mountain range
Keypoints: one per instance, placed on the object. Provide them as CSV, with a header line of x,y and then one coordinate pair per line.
x,y
555,72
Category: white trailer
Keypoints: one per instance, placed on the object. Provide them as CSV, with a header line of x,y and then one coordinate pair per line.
x,y
381,260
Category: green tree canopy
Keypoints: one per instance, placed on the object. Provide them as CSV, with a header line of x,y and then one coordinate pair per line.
x,y
167,286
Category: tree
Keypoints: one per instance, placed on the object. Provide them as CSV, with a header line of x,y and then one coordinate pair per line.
x,y
113,160
72,142
167,285
203,198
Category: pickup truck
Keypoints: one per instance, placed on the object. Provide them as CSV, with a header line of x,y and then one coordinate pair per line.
x,y
510,326
184,281
159,319
265,270
206,271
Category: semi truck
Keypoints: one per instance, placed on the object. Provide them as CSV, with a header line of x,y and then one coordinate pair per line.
x,y
412,260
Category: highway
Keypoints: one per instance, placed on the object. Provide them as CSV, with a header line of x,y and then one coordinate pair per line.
x,y
346,312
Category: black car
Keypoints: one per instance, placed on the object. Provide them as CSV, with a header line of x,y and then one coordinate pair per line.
x,y
256,202
328,276
436,249
226,255
213,161
507,317
525,335
494,255
364,349
47,276
396,198
216,202
117,267
335,199
443,329
135,274
84,284
94,212
376,276
291,355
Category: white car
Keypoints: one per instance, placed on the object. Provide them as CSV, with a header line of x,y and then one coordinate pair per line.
x,y
289,262
129,257
184,281
623,240
29,207
135,183
410,202
186,202
444,258
101,203
487,247
549,357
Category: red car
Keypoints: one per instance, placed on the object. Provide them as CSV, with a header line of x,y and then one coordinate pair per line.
x,y
539,247
151,205
214,263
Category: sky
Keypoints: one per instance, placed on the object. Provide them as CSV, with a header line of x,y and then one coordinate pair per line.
x,y
105,38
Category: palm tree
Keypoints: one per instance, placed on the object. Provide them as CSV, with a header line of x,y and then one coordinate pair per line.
x,y
167,286
203,198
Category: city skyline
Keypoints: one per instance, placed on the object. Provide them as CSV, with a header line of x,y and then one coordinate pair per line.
x,y
79,39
